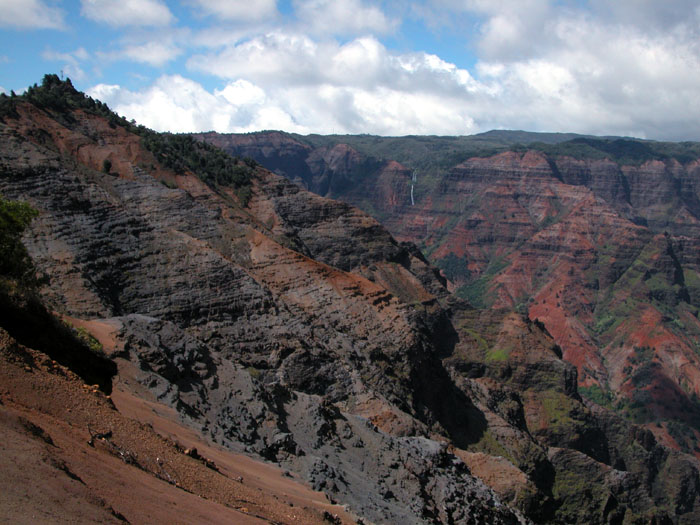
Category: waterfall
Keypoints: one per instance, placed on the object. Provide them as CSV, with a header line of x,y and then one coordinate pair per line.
x,y
413,181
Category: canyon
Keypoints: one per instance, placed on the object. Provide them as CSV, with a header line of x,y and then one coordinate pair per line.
x,y
425,365
595,238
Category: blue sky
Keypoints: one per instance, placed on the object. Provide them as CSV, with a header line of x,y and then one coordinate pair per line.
x,y
446,67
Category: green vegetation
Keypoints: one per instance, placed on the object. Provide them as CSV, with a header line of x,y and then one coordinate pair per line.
x,y
558,408
642,354
692,284
607,321
630,285
644,374
54,94
596,394
476,291
578,496
478,339
497,355
85,337
683,435
430,155
434,155
14,259
181,153
24,316
454,267
255,373
622,150
489,444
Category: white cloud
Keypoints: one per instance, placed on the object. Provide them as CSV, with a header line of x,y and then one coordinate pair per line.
x,y
30,14
284,60
238,9
127,12
154,53
342,17
174,103
623,67
70,62
540,67
243,93
290,82
649,15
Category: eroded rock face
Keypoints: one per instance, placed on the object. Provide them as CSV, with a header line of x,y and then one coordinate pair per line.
x,y
299,329
604,254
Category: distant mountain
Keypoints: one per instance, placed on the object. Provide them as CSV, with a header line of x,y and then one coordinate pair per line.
x,y
512,137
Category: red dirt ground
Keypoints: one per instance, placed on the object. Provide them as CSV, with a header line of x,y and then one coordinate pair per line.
x,y
138,473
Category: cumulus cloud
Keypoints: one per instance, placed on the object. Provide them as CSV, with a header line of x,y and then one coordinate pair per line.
x,y
541,65
353,88
174,103
290,59
127,12
342,17
30,14
624,67
237,9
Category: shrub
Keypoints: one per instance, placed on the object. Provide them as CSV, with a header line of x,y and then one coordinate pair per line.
x,y
14,259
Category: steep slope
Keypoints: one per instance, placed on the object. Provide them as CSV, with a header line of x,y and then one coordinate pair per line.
x,y
596,238
289,326
69,456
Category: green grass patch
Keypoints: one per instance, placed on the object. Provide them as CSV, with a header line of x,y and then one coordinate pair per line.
x,y
476,292
692,284
254,372
497,355
557,408
483,345
14,260
490,445
599,396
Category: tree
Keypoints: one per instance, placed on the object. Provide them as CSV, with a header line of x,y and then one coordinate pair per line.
x,y
14,259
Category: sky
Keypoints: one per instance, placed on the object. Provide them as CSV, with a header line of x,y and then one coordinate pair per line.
x,y
438,67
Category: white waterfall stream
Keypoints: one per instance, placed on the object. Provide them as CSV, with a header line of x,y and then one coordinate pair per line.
x,y
413,181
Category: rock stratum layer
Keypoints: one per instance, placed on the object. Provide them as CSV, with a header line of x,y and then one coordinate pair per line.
x,y
295,328
597,239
